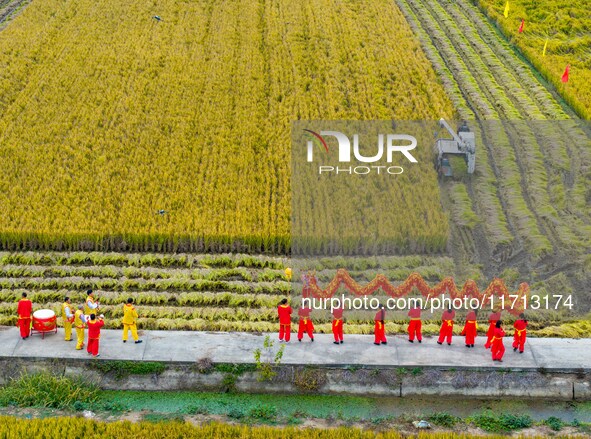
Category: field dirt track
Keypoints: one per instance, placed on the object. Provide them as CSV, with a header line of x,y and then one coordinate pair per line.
x,y
8,8
531,186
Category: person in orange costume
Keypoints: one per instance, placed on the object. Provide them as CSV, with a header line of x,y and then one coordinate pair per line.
x,y
337,325
520,333
306,324
470,329
447,326
493,318
414,326
24,309
284,311
94,334
380,327
497,348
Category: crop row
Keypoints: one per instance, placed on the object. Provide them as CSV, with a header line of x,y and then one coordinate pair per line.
x,y
144,285
242,313
195,261
148,298
161,260
136,273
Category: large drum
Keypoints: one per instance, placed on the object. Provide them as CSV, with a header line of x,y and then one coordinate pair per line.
x,y
44,320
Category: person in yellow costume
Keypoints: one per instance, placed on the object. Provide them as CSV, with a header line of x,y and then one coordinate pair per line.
x,y
79,324
130,321
68,318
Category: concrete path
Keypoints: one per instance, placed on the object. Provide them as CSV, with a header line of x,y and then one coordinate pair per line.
x,y
556,354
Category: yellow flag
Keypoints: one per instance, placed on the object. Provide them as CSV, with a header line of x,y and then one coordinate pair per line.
x,y
545,45
506,13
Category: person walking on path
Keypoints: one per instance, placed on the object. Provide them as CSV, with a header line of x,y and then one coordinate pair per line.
x,y
284,311
447,326
79,324
497,347
305,324
129,321
380,327
414,326
94,334
91,305
68,318
520,333
337,325
493,318
470,329
24,310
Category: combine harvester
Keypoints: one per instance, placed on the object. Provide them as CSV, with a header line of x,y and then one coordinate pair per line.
x,y
462,144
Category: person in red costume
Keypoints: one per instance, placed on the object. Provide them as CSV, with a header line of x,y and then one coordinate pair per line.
x,y
24,309
94,334
337,325
447,326
380,327
520,333
414,326
497,347
493,318
470,329
284,311
306,324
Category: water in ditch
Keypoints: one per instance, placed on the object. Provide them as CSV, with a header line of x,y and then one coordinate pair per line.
x,y
347,407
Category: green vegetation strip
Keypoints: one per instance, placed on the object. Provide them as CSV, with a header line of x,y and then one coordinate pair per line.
x,y
57,392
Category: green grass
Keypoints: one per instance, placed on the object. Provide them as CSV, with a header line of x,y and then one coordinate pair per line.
x,y
47,390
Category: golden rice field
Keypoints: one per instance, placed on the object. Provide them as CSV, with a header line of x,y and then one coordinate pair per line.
x,y
53,427
108,116
566,25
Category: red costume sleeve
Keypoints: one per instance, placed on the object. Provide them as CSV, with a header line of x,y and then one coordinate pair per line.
x,y
380,315
471,316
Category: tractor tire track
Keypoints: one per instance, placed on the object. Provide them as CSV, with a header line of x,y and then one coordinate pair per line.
x,y
480,97
511,98
539,155
562,143
496,238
